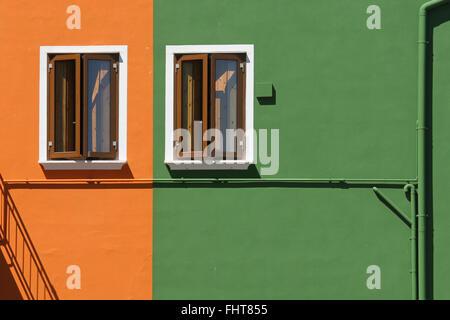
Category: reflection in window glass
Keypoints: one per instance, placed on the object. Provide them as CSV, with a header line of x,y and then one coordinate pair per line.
x,y
226,99
99,105
65,117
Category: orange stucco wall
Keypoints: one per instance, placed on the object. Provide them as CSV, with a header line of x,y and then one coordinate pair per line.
x,y
106,231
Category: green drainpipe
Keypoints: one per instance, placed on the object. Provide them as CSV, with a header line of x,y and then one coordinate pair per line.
x,y
421,140
411,189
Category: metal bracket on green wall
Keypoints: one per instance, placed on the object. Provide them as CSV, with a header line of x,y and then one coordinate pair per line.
x,y
392,206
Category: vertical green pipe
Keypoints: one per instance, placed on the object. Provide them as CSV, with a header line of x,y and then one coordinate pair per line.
x,y
421,145
413,242
421,136
412,191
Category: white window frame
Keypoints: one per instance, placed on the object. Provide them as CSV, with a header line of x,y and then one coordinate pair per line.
x,y
173,164
117,164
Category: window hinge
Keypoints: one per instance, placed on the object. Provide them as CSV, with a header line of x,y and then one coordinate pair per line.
x,y
50,66
115,145
177,66
50,144
242,67
115,67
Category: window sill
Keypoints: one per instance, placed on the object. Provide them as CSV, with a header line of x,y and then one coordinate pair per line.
x,y
200,165
82,164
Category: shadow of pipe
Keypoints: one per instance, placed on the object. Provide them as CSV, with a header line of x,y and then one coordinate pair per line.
x,y
436,18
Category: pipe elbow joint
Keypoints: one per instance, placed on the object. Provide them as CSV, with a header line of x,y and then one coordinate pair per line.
x,y
424,8
409,187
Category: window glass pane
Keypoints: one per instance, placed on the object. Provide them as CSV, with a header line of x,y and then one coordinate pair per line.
x,y
65,116
191,101
99,105
226,99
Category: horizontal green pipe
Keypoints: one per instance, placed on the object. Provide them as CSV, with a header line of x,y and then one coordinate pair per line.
x,y
346,181
291,180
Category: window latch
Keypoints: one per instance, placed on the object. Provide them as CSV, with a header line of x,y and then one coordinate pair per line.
x,y
177,66
115,67
50,66
242,67
114,145
50,144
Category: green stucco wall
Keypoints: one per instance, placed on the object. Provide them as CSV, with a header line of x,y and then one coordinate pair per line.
x,y
346,106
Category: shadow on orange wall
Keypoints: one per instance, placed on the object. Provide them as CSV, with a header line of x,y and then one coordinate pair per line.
x,y
124,173
8,289
28,278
